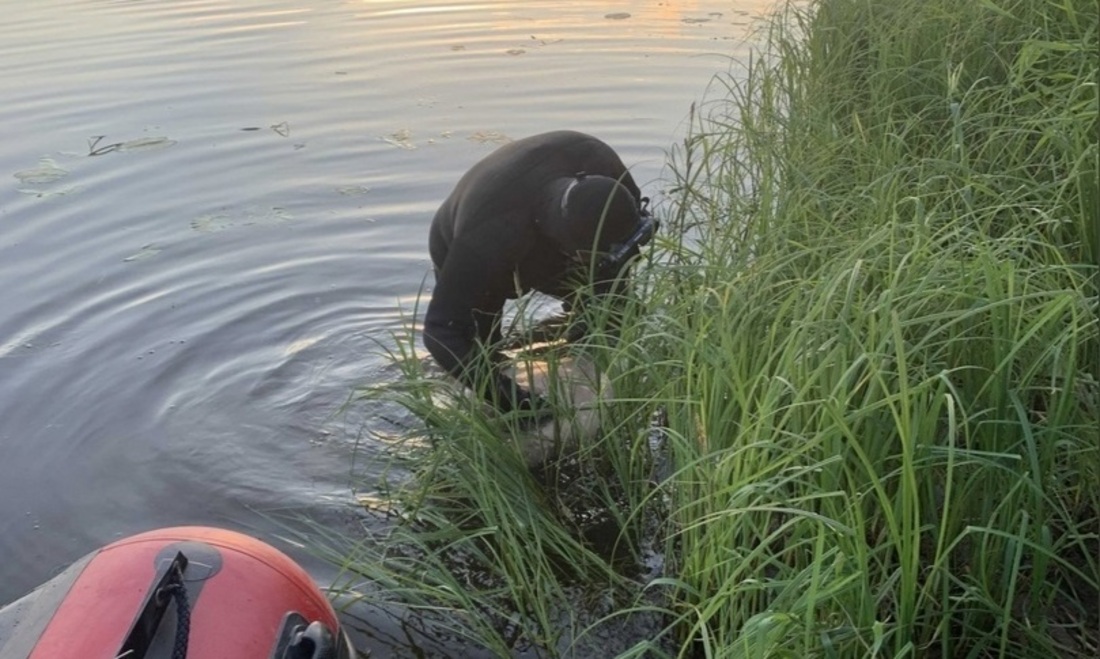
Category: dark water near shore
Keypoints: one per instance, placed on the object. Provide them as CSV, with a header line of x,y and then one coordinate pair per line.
x,y
212,211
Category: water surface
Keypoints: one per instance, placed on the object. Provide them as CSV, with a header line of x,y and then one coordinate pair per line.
x,y
211,211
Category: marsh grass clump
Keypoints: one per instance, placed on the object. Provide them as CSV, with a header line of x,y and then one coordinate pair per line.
x,y
870,332
886,292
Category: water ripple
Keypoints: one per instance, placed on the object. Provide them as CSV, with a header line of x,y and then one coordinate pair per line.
x,y
212,214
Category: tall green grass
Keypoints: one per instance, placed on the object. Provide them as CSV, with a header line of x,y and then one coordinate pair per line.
x,y
870,330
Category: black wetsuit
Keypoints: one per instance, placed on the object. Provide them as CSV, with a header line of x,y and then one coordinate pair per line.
x,y
488,243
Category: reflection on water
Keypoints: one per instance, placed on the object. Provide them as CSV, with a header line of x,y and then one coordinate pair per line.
x,y
212,212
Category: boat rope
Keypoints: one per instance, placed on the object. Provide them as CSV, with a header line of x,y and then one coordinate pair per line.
x,y
175,589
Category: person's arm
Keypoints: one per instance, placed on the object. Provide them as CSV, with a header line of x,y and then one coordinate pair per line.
x,y
615,291
612,284
462,324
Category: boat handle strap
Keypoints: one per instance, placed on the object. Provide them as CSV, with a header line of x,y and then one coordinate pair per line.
x,y
168,586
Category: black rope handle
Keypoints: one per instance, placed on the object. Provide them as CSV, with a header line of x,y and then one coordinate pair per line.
x,y
175,589
168,585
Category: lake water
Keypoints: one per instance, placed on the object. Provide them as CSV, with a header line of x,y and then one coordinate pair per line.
x,y
212,210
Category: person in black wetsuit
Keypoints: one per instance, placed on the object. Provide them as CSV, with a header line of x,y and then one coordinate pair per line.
x,y
557,213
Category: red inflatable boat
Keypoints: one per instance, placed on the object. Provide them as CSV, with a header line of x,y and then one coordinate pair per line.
x,y
188,592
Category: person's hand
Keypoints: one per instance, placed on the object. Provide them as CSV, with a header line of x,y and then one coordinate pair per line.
x,y
576,332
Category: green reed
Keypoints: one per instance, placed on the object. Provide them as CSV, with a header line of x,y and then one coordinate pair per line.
x,y
869,330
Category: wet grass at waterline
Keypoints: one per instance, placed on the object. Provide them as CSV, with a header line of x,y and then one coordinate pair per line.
x,y
870,334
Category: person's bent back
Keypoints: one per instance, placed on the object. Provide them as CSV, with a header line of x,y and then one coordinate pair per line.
x,y
537,214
